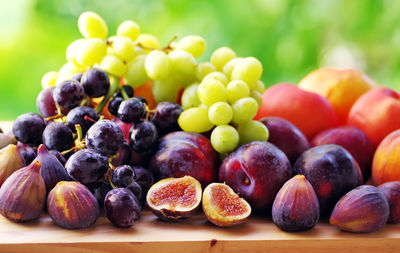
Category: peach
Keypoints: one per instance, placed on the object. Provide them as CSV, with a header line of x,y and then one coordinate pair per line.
x,y
308,111
340,87
386,162
376,113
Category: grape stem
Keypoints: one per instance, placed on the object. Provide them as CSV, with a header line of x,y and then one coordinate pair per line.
x,y
124,95
115,85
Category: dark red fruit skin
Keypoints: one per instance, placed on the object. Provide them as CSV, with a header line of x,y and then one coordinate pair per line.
x,y
296,206
182,153
332,172
353,140
45,102
362,210
391,190
256,171
82,206
286,136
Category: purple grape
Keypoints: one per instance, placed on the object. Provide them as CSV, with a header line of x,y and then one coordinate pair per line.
x,y
137,190
114,104
58,136
122,207
122,176
105,137
143,177
100,191
28,128
87,166
131,110
68,94
27,152
128,90
166,117
45,102
77,77
84,116
95,82
143,137
59,156
123,156
144,101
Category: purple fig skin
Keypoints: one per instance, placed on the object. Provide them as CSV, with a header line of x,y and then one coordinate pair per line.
x,y
71,205
23,194
296,206
362,210
391,190
52,171
10,161
256,171
332,172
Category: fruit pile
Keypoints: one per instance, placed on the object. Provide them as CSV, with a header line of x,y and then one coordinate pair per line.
x,y
127,124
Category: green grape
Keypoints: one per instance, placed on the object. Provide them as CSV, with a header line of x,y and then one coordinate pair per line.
x,y
91,25
252,130
91,51
204,69
224,138
220,113
49,79
135,73
183,63
189,97
244,110
211,91
237,89
129,29
217,76
165,90
260,87
148,41
68,70
195,120
257,96
112,64
157,65
71,50
138,50
228,67
221,56
249,70
121,46
193,44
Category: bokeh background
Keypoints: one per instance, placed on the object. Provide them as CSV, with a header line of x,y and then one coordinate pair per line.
x,y
291,38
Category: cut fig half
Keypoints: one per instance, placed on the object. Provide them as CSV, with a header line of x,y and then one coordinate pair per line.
x,y
174,199
223,207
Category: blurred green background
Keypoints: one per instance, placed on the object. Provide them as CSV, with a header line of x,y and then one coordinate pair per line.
x,y
291,38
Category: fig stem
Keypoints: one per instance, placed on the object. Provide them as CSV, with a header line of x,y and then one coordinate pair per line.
x,y
115,85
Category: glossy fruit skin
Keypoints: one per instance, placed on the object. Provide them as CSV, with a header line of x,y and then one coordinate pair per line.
x,y
59,156
27,153
128,90
131,110
10,161
286,136
57,136
84,116
256,171
23,194
100,191
143,137
296,206
45,102
6,139
136,189
114,104
123,156
121,207
28,128
68,94
52,171
362,210
87,166
95,82
183,153
332,172
143,177
391,190
166,117
122,176
353,140
71,205
105,137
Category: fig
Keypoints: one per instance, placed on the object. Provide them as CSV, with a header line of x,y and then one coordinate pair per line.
x,y
223,207
122,207
173,199
296,206
5,140
23,194
71,205
10,161
391,190
362,210
52,171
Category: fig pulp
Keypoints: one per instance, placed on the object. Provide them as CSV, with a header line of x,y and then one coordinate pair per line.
x,y
71,205
296,206
364,209
391,190
10,161
23,194
174,199
223,207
